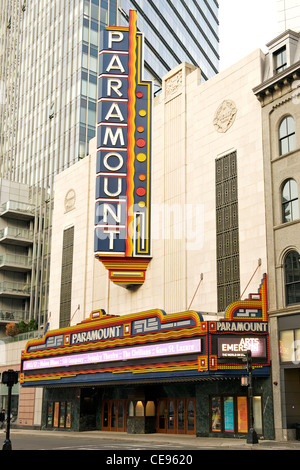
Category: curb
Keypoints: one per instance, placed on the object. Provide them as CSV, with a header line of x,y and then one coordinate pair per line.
x,y
192,442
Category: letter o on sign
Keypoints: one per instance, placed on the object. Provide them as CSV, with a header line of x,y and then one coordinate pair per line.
x,y
109,167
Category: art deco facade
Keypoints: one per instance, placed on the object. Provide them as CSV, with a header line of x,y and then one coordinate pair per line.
x,y
208,250
248,189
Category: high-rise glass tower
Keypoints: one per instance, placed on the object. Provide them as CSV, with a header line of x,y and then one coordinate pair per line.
x,y
177,31
48,88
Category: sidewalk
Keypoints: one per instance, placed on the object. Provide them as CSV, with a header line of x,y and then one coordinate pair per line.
x,y
191,442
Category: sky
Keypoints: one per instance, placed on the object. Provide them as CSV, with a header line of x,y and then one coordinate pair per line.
x,y
245,25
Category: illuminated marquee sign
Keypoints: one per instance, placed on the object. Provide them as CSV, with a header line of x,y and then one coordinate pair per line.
x,y
103,328
151,345
123,189
160,350
251,327
238,346
107,347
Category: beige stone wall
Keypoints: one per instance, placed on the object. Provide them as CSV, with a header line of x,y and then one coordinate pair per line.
x,y
206,142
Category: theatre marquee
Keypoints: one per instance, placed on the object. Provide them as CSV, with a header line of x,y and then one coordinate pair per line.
x,y
151,345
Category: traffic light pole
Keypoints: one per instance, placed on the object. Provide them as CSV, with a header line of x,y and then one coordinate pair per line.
x,y
7,442
9,378
251,436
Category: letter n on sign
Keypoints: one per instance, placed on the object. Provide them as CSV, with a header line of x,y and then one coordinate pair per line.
x,y
123,169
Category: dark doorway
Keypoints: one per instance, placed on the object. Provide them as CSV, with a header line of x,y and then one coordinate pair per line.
x,y
89,401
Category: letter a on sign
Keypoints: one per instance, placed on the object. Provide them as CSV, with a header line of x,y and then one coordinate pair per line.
x,y
123,179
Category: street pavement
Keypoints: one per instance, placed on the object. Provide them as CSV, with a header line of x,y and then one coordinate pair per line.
x,y
122,441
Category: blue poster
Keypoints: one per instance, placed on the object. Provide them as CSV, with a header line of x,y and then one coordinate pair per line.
x,y
229,414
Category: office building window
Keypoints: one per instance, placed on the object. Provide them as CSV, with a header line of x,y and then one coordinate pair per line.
x,y
290,203
292,277
228,260
66,278
287,135
280,62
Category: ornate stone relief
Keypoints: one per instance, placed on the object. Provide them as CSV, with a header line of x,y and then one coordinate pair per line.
x,y
225,116
173,84
70,200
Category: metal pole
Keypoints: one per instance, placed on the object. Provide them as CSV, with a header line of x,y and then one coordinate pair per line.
x,y
7,443
252,436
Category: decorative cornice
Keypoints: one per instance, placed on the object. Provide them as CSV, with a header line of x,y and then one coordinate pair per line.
x,y
277,82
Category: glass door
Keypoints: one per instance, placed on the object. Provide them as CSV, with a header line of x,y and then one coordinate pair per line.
x,y
105,416
161,418
114,415
181,417
171,416
176,416
191,416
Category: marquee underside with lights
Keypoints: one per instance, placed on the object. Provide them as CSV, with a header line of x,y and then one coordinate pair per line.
x,y
151,346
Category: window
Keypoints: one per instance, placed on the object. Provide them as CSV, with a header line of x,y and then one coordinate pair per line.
x,y
280,62
131,409
229,414
139,409
292,278
66,277
216,414
150,408
228,259
59,414
289,346
290,205
287,136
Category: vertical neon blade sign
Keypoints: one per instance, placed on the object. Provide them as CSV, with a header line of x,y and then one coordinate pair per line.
x,y
123,179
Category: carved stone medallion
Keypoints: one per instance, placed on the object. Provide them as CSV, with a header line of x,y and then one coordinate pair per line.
x,y
70,200
225,116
